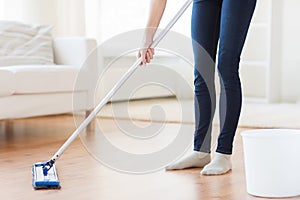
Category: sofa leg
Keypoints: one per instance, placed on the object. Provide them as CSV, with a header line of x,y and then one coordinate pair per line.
x,y
91,126
8,128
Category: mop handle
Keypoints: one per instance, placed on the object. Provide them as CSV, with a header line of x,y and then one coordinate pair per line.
x,y
117,86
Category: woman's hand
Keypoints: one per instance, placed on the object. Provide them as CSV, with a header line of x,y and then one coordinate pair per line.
x,y
146,54
157,8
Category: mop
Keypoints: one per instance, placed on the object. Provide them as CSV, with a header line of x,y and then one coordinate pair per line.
x,y
44,173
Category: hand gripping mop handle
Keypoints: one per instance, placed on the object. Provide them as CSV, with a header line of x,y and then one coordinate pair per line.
x,y
124,78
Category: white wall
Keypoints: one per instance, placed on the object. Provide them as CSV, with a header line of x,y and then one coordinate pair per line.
x,y
11,9
290,90
39,11
93,19
67,16
270,61
70,19
119,16
255,55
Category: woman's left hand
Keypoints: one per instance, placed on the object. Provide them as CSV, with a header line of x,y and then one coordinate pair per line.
x,y
146,54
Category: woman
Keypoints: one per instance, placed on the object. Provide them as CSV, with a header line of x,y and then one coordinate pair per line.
x,y
214,22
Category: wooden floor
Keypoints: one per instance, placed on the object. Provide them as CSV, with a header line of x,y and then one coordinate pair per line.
x,y
24,142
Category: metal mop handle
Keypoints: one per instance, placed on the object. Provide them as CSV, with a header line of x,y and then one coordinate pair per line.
x,y
94,113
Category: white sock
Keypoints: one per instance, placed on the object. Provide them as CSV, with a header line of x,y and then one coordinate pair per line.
x,y
220,164
194,159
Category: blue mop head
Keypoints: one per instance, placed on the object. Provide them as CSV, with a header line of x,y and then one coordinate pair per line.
x,y
42,180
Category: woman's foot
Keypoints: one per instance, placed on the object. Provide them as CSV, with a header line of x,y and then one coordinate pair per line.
x,y
194,159
220,164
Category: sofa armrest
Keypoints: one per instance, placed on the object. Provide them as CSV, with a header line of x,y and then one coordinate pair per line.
x,y
82,53
73,50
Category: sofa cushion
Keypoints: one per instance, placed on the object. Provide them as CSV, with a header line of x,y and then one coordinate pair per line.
x,y
6,82
31,79
22,43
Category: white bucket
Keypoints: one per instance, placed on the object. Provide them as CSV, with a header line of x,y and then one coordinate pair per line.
x,y
272,162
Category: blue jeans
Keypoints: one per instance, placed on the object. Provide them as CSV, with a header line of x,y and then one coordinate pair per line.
x,y
225,22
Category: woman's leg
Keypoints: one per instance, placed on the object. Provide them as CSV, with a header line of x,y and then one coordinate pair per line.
x,y
205,34
235,20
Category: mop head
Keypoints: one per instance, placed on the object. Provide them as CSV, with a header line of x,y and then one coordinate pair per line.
x,y
41,181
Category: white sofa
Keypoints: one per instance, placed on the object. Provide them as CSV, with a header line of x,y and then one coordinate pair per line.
x,y
35,90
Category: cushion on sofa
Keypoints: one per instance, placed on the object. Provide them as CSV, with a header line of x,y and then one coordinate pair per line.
x,y
6,82
22,43
31,79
